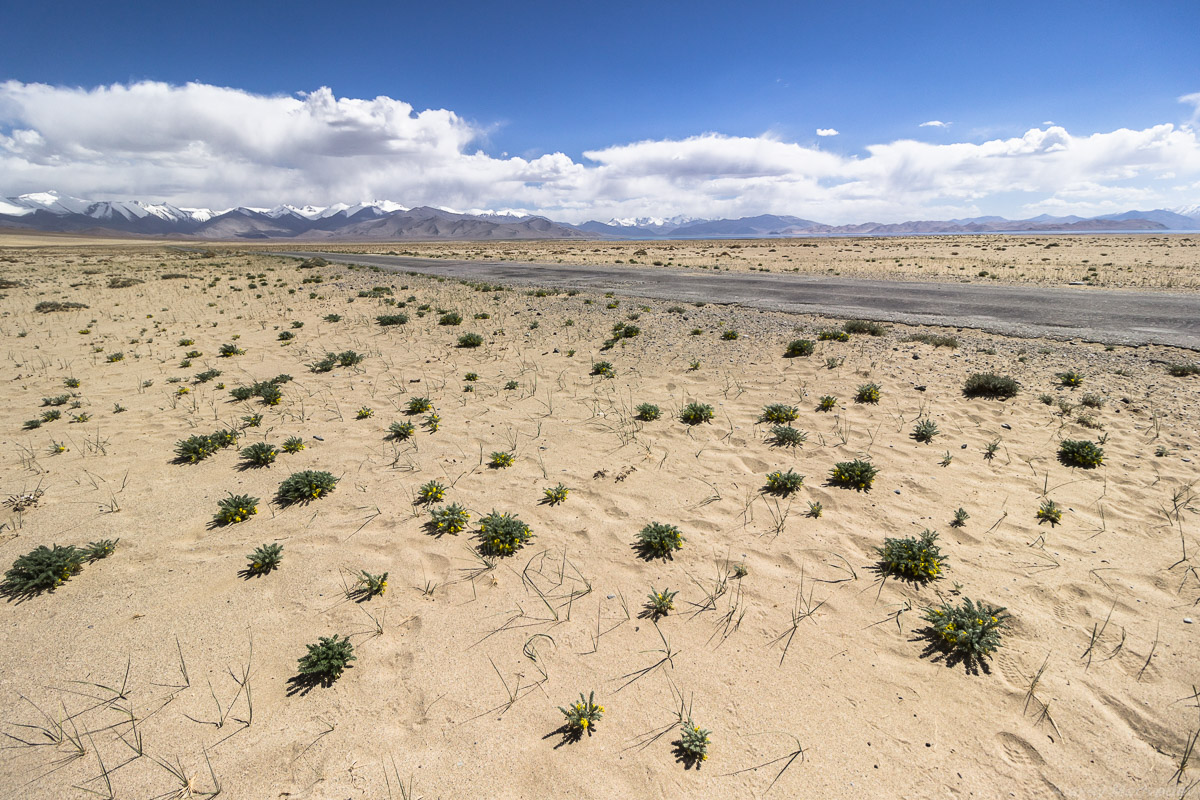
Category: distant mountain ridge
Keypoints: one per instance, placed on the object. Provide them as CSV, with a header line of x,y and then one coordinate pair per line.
x,y
384,220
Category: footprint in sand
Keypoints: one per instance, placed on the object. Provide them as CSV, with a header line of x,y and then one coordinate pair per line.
x,y
1010,668
1018,752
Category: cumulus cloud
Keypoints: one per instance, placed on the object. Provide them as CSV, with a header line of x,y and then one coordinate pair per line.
x,y
934,123
203,145
827,131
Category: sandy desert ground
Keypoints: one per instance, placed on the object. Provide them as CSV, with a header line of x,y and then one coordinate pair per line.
x,y
162,671
1152,262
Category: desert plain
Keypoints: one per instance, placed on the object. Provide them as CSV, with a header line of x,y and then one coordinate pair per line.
x,y
165,670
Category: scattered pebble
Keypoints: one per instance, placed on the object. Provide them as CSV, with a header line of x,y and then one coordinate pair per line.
x,y
1187,620
319,438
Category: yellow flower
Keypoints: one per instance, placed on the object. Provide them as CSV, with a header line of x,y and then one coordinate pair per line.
x,y
583,723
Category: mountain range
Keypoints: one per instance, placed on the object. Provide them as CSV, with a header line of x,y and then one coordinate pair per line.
x,y
384,220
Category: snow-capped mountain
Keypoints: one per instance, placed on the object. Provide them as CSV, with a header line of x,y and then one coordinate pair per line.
x,y
677,221
387,220
128,210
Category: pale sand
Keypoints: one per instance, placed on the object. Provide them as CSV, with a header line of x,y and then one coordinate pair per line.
x,y
1100,600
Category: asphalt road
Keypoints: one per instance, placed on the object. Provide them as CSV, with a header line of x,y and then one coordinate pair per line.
x,y
1112,316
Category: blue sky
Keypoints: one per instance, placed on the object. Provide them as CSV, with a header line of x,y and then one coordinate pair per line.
x,y
539,89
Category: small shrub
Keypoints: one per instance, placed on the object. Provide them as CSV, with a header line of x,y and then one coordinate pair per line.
x,y
1080,453
260,454
418,405
602,368
783,483
582,716
450,318
960,518
207,375
368,585
695,413
1070,378
71,383
326,660
1050,512
970,630
1183,370
659,540
779,413
729,335
786,436
815,510
48,306
432,422
401,431
990,386
990,449
285,336
915,559
931,339
1092,400
302,487
799,347
502,534
333,317
555,495
194,449
864,326
867,393
833,336
364,413
449,519
659,604
235,508
499,460
469,340
925,430
186,342
1046,399
229,350
58,400
856,474
42,569
269,393
510,385
115,357
431,492
349,358
252,420
692,745
827,403
51,415
388,320
648,412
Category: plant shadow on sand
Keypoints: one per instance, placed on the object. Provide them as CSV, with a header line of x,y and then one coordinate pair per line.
x,y
303,684
937,651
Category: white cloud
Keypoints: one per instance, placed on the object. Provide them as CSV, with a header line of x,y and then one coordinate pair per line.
x,y
934,123
827,132
202,145
1194,101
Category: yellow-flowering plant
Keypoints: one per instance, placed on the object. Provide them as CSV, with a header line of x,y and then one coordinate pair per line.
x,y
235,508
582,716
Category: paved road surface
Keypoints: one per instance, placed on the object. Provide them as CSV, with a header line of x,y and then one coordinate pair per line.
x,y
1101,315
